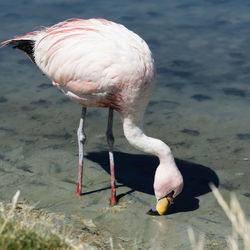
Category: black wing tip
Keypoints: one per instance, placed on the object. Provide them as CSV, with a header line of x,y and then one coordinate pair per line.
x,y
21,43
25,45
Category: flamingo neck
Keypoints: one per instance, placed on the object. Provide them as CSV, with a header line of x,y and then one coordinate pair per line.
x,y
167,179
135,135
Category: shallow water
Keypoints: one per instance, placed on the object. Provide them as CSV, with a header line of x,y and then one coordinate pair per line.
x,y
199,107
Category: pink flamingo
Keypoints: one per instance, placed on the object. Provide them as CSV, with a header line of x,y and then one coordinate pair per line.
x,y
99,63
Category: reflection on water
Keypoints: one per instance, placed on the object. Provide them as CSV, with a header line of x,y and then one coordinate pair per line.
x,y
199,107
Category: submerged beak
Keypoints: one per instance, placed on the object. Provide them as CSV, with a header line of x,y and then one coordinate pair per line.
x,y
161,206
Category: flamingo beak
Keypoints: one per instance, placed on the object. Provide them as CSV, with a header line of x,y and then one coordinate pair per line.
x,y
162,206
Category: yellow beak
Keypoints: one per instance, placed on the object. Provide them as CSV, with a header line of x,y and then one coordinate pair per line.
x,y
163,205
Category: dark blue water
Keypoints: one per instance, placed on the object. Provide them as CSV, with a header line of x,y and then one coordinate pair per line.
x,y
200,107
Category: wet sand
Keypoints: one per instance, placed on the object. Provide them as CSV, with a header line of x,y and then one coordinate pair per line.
x,y
199,108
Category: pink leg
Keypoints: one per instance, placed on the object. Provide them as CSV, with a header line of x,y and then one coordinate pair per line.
x,y
110,139
81,140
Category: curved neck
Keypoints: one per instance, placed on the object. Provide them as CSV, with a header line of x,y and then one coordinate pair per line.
x,y
133,131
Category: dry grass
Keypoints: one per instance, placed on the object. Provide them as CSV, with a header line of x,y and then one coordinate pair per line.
x,y
240,225
26,227
196,244
18,231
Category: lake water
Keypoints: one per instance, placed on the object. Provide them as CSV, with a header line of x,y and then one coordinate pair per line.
x,y
200,107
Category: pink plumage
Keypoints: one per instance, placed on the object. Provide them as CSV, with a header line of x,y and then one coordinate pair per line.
x,y
100,63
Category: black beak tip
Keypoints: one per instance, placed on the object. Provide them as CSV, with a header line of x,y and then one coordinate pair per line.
x,y
153,212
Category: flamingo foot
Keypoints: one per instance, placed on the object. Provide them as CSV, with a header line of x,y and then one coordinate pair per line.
x,y
113,200
78,191
79,183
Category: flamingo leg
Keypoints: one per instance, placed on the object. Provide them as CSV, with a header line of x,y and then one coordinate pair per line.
x,y
110,140
81,140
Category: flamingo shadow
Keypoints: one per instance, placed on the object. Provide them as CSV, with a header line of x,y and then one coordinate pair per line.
x,y
137,172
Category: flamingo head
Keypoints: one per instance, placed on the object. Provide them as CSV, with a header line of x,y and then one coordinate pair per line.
x,y
168,183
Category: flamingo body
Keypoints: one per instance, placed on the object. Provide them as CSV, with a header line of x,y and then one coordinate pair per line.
x,y
99,63
95,62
